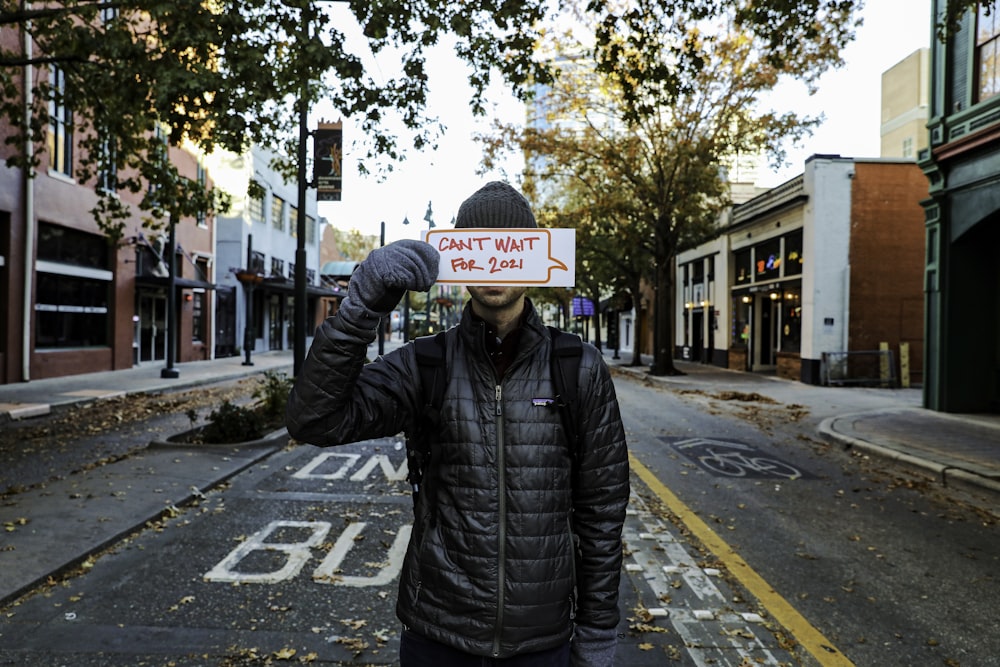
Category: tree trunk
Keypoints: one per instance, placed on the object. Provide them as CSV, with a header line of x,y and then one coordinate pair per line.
x,y
596,298
636,288
663,335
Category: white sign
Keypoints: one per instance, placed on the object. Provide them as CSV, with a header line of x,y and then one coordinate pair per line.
x,y
505,256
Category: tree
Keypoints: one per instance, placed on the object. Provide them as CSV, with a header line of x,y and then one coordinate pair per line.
x,y
141,75
646,114
353,245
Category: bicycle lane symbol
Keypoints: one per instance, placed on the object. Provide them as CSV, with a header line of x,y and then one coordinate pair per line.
x,y
726,458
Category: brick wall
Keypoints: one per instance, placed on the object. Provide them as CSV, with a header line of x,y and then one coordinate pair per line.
x,y
887,259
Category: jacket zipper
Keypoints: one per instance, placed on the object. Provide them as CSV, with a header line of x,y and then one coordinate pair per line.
x,y
502,529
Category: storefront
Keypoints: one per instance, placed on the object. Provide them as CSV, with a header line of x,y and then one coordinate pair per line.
x,y
766,306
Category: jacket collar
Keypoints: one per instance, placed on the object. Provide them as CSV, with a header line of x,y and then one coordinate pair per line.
x,y
532,331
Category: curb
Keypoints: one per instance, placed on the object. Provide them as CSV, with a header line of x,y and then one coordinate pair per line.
x,y
947,475
258,450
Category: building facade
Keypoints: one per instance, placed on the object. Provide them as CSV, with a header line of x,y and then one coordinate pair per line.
x,y
75,301
962,165
903,129
828,262
256,245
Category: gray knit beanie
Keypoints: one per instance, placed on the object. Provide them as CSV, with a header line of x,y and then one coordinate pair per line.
x,y
496,204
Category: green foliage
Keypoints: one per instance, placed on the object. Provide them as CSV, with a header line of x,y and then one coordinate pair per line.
x,y
632,142
272,395
142,76
233,423
353,245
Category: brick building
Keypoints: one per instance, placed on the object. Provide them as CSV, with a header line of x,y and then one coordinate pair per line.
x,y
70,300
828,262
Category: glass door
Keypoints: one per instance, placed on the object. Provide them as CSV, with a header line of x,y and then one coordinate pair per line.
x,y
152,326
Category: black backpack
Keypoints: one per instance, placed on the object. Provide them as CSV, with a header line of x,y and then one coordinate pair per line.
x,y
567,350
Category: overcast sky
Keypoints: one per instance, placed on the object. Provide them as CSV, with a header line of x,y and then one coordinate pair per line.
x,y
849,98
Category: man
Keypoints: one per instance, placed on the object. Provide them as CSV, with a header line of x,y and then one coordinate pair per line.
x,y
515,554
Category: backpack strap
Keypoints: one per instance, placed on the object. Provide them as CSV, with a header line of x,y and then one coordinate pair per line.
x,y
430,351
567,350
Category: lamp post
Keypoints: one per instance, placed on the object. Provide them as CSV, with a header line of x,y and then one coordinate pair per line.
x,y
249,278
170,372
381,322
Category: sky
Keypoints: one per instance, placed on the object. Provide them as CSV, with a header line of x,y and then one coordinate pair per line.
x,y
849,99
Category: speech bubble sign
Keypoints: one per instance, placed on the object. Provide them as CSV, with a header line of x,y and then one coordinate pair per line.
x,y
505,256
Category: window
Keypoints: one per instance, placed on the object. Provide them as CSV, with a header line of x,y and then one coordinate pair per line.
x,y
740,334
744,270
73,287
201,218
277,267
793,253
310,230
767,260
988,53
198,315
908,147
60,141
293,221
256,207
791,320
277,212
107,169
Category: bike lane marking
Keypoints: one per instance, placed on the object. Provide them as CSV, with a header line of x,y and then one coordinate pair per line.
x,y
688,598
810,638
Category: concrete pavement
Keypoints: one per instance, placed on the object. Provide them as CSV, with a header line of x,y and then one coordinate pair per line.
x,y
58,526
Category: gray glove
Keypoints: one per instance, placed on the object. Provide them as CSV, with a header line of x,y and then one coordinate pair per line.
x,y
594,647
380,281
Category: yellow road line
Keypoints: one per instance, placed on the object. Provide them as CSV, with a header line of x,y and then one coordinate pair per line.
x,y
784,613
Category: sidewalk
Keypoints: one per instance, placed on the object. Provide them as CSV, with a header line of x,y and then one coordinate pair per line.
x,y
59,526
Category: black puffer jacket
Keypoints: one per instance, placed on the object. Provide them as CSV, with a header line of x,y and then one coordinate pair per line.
x,y
491,567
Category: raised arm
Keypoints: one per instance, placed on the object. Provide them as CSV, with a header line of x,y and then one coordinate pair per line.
x,y
330,402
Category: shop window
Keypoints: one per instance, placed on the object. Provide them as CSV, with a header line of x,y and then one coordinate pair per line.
x,y
71,311
793,254
743,267
791,321
198,315
73,288
767,260
740,334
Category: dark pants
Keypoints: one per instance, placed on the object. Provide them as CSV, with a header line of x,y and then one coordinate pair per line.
x,y
418,651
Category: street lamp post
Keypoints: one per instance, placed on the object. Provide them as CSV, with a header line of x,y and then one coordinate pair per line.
x,y
381,322
300,223
170,372
249,279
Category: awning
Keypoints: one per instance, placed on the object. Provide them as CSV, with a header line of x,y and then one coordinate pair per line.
x,y
338,269
183,283
285,286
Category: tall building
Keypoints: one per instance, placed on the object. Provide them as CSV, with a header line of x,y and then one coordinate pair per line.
x,y
962,165
905,85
